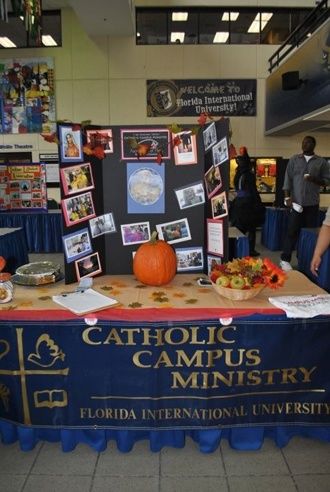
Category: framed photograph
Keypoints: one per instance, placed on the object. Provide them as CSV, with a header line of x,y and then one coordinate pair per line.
x,y
89,266
190,196
77,178
71,148
76,245
185,152
175,231
145,188
145,144
136,233
25,186
189,259
219,205
209,136
36,204
100,138
220,152
103,224
212,261
78,208
215,237
213,181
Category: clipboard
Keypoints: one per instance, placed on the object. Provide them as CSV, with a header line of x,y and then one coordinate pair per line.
x,y
84,301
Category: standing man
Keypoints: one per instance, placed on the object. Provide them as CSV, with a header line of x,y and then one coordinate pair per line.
x,y
304,175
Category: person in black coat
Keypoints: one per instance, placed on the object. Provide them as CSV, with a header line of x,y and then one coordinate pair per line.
x,y
247,211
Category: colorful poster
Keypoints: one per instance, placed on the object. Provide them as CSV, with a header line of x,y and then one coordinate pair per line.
x,y
26,187
27,96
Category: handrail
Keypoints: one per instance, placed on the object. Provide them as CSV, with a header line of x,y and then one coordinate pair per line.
x,y
314,19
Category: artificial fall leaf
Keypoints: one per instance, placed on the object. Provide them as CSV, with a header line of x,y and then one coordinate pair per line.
x,y
160,299
158,293
87,149
175,128
85,123
179,294
99,152
44,298
106,287
9,308
194,130
140,286
176,141
202,119
135,305
120,284
50,137
26,304
159,158
191,301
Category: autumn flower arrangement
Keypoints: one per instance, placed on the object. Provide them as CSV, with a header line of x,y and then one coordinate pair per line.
x,y
246,274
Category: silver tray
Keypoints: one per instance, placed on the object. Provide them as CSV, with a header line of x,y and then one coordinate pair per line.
x,y
39,269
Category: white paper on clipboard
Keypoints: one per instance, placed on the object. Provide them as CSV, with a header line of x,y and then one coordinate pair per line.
x,y
85,301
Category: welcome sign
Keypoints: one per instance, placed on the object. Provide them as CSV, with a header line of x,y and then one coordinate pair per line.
x,y
165,375
227,97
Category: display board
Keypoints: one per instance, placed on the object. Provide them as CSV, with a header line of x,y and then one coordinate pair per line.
x,y
119,184
23,187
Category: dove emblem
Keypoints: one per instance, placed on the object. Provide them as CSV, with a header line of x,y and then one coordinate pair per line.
x,y
47,352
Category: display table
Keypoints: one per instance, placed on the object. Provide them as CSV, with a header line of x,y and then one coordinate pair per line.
x,y
305,250
13,248
168,362
238,243
275,226
43,231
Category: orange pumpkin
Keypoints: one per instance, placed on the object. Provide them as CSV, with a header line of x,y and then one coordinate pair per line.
x,y
2,263
154,262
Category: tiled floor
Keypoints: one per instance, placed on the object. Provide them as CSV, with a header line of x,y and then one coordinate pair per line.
x,y
302,466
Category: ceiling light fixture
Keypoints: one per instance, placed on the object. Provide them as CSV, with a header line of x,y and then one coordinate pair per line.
x,y
7,43
179,16
220,37
177,37
233,16
255,26
48,40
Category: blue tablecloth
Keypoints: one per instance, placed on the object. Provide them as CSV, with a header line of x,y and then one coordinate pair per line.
x,y
13,248
49,396
43,231
274,229
246,438
238,244
305,249
275,226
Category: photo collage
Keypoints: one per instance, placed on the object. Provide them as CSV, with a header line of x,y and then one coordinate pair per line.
x,y
216,191
23,187
145,191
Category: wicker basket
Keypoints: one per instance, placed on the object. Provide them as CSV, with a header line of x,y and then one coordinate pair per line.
x,y
237,294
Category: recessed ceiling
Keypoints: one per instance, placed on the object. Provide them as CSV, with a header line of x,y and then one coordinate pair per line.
x,y
100,17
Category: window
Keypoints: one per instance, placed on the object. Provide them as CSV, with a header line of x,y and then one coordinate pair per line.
x,y
224,25
14,31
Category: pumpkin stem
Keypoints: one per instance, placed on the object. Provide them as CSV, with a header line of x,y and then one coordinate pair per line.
x,y
153,238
